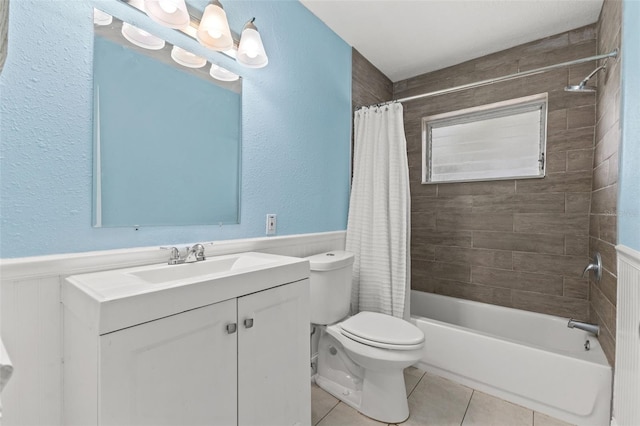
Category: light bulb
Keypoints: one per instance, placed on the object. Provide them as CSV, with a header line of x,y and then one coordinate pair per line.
x,y
215,33
251,51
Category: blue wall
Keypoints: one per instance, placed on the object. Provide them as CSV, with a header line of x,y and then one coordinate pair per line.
x,y
629,197
296,128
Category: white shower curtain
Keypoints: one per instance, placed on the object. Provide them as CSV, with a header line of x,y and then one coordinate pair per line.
x,y
379,212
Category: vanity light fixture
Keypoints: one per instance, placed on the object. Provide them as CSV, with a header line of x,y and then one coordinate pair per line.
x,y
170,13
186,58
101,18
213,31
251,50
141,38
222,74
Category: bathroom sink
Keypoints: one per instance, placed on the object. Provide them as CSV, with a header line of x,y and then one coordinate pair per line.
x,y
217,265
115,299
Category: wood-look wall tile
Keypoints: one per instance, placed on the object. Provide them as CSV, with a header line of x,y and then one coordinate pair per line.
x,y
604,200
594,226
556,162
578,160
576,288
570,266
519,203
417,188
570,139
608,253
423,221
568,223
557,55
581,34
557,182
605,339
424,204
613,170
448,271
444,238
576,245
601,175
608,285
477,188
420,280
536,243
607,145
474,221
479,293
455,203
517,280
577,202
422,251
604,308
552,305
608,228
557,120
473,256
584,116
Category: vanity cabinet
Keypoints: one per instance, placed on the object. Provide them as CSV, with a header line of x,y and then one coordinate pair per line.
x,y
240,361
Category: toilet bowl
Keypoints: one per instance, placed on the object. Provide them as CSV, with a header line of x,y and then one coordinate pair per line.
x,y
360,358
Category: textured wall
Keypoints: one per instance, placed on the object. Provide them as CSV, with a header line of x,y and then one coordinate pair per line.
x,y
296,128
517,243
629,179
604,197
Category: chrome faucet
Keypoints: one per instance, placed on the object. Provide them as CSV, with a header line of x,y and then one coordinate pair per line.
x,y
194,253
588,327
595,266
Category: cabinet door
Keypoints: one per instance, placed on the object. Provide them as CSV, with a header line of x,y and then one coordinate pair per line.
x,y
178,370
273,357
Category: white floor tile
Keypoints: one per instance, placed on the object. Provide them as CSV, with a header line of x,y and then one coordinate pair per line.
x,y
487,410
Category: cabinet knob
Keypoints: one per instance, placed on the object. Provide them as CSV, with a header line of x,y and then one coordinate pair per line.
x,y
248,323
231,328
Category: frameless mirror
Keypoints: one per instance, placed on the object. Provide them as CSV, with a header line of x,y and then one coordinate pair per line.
x,y
166,138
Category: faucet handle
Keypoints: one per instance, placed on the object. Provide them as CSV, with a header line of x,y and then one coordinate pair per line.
x,y
174,255
595,266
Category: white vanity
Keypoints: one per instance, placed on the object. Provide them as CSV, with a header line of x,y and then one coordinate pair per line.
x,y
223,341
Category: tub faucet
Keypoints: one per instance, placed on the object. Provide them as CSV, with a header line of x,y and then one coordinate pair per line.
x,y
588,327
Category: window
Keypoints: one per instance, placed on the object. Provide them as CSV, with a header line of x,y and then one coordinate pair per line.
x,y
505,140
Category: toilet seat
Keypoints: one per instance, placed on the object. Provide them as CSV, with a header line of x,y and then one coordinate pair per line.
x,y
382,331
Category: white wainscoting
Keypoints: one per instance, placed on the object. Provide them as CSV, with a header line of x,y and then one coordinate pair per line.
x,y
626,389
31,314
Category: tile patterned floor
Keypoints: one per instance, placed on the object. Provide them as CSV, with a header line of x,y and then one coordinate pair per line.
x,y
433,401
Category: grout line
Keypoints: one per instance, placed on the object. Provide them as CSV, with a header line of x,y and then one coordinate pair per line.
x,y
414,388
328,412
468,404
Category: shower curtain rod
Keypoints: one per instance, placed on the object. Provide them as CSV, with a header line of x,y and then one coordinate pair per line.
x,y
519,74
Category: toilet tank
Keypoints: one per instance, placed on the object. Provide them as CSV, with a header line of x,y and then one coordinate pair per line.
x,y
330,285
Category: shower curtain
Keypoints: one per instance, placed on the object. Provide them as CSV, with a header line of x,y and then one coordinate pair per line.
x,y
379,212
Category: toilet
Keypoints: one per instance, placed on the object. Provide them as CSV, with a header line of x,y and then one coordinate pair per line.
x,y
360,358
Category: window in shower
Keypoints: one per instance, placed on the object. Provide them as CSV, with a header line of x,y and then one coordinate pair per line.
x,y
504,140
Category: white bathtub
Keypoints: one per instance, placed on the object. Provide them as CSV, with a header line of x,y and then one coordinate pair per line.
x,y
530,359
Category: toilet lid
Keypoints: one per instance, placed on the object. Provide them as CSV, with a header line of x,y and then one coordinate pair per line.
x,y
383,331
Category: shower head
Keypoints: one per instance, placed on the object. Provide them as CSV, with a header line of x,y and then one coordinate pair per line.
x,y
582,86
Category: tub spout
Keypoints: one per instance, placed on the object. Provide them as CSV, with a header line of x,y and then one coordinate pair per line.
x,y
588,327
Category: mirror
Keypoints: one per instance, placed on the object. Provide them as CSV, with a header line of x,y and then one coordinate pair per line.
x,y
166,138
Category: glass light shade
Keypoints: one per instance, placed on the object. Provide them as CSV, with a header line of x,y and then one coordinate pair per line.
x,y
214,31
186,58
141,38
222,74
101,18
170,13
250,50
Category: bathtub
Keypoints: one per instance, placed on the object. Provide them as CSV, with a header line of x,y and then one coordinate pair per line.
x,y
527,358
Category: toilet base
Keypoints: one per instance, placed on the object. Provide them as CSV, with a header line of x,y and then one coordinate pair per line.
x,y
378,394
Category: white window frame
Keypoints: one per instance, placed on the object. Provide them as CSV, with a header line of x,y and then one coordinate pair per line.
x,y
480,113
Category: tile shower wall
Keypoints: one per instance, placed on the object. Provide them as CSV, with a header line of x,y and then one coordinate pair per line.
x,y
516,243
604,196
368,85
